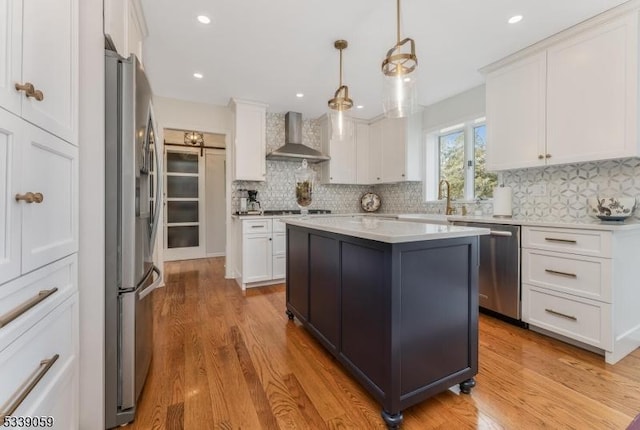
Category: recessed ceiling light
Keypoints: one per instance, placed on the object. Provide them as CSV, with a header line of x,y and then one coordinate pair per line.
x,y
359,107
197,75
204,19
299,95
514,19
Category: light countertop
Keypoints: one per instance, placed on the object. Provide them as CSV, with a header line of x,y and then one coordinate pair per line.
x,y
587,224
384,230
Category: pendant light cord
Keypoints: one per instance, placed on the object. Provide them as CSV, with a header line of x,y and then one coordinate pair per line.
x,y
398,22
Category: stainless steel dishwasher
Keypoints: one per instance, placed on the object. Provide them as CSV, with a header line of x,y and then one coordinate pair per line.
x,y
499,280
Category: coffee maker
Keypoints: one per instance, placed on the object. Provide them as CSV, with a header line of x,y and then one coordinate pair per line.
x,y
253,205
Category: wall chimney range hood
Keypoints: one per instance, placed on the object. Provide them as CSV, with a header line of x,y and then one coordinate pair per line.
x,y
293,148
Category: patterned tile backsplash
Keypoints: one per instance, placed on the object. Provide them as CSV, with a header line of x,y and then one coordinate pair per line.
x,y
567,186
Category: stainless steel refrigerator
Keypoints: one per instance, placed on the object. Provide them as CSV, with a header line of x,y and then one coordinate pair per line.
x,y
133,179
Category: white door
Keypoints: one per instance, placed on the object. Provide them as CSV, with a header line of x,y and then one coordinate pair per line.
x,y
11,128
394,149
184,204
256,257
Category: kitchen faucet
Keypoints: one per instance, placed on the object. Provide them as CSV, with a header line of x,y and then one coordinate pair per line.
x,y
449,209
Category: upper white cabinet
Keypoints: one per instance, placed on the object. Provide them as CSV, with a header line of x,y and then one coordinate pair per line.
x,y
39,58
363,142
125,25
570,98
250,141
592,94
396,150
516,106
341,169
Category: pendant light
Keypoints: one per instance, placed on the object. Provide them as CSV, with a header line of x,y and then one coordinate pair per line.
x,y
400,92
340,103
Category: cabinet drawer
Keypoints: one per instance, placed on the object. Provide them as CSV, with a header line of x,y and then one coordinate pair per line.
x,y
26,300
584,320
256,226
583,242
579,275
45,350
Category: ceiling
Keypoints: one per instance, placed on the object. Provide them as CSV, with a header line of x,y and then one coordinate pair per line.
x,y
269,50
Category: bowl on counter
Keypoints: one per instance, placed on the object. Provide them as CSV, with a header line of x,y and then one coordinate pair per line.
x,y
611,208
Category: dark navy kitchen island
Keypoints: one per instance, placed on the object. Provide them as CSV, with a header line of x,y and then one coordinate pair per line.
x,y
396,303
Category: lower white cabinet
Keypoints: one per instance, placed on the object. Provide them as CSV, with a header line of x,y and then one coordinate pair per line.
x,y
581,284
262,252
39,370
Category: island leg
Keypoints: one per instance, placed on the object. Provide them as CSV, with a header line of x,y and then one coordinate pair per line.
x,y
466,386
393,420
289,314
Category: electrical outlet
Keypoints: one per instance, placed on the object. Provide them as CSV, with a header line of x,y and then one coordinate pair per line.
x,y
538,190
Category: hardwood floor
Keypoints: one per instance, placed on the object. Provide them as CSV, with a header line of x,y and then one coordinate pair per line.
x,y
228,360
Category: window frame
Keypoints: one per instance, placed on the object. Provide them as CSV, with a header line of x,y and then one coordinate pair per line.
x,y
432,159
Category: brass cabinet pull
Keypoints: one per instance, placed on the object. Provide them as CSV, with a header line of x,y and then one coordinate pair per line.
x,y
30,91
555,272
24,307
16,400
547,156
559,314
27,87
553,239
30,197
540,157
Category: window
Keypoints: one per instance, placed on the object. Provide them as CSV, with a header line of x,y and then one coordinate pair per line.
x,y
457,154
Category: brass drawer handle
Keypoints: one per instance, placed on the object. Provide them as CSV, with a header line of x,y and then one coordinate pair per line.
x,y
555,272
24,307
30,91
559,314
30,197
16,400
540,157
553,239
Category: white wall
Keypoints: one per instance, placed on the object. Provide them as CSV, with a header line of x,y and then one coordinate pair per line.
x,y
91,254
454,110
185,115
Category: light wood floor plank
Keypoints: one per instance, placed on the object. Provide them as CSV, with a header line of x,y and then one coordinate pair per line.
x,y
229,360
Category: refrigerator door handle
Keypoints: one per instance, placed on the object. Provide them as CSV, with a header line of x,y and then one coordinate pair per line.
x,y
159,180
154,285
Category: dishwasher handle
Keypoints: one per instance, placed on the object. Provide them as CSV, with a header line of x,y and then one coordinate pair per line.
x,y
500,233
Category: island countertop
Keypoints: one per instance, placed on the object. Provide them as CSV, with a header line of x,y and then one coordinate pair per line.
x,y
385,230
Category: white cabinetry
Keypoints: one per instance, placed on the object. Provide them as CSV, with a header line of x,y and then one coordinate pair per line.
x,y
39,210
39,53
569,287
570,98
396,150
341,169
516,123
363,142
250,141
262,252
124,24
279,250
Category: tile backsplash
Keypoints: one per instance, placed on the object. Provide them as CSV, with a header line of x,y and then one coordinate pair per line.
x,y
565,198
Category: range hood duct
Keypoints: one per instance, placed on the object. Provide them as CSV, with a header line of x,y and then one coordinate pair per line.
x,y
293,148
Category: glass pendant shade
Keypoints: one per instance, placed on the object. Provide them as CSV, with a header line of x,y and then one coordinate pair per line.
x,y
400,91
399,95
340,124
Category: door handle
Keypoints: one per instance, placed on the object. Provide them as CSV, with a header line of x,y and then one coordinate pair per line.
x,y
500,233
30,197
